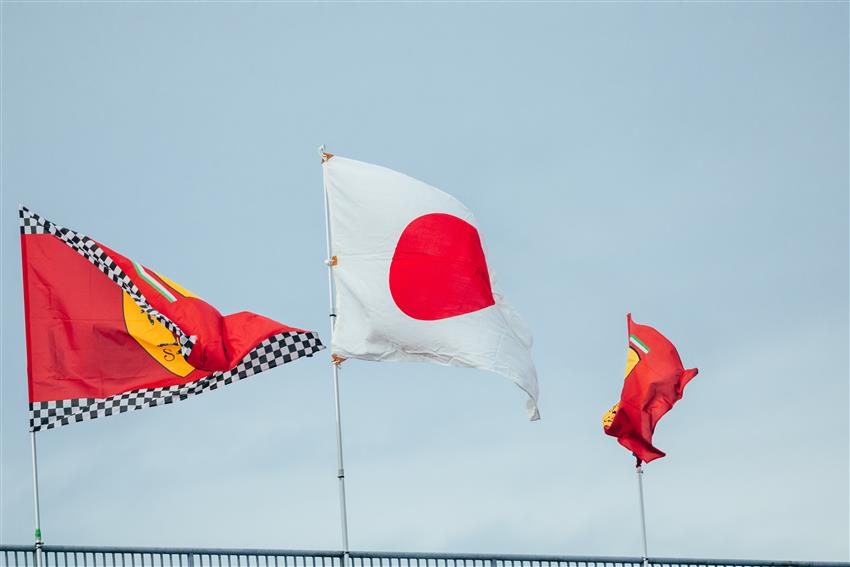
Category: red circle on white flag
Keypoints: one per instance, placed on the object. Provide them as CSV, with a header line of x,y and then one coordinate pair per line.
x,y
439,269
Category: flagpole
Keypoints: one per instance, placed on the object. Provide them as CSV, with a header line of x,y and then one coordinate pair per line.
x,y
38,541
639,471
330,261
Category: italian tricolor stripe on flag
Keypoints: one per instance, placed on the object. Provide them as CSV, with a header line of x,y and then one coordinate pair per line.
x,y
154,284
637,342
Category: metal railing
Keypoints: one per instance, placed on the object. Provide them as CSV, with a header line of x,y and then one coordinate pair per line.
x,y
76,556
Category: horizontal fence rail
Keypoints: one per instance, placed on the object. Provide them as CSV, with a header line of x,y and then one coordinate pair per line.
x,y
76,556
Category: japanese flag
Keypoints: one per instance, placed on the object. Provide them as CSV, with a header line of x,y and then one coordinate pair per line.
x,y
412,281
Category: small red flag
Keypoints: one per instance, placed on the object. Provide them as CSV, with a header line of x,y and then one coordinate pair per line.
x,y
107,335
655,380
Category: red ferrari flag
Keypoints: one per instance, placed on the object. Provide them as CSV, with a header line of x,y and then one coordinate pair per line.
x,y
655,380
106,335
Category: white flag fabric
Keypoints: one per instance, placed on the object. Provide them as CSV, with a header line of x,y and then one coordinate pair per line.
x,y
412,281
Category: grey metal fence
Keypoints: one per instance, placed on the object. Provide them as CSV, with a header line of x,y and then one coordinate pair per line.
x,y
75,556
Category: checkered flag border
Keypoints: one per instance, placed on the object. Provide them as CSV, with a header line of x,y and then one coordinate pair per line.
x,y
274,351
32,223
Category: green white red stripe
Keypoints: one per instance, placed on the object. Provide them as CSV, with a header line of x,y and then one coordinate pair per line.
x,y
155,284
637,342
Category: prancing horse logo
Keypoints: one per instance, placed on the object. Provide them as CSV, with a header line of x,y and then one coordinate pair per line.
x,y
153,336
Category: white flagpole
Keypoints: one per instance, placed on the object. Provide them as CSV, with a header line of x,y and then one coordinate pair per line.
x,y
39,543
330,262
639,471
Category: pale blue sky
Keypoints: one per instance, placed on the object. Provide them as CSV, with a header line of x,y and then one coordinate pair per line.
x,y
686,162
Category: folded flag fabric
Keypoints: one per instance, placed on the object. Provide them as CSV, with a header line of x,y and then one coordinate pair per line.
x,y
655,380
106,334
412,280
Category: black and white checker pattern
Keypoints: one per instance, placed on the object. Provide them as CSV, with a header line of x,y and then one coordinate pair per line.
x,y
32,223
274,351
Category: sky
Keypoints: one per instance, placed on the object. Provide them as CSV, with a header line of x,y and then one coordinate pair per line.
x,y
687,163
